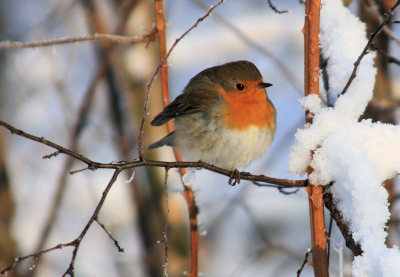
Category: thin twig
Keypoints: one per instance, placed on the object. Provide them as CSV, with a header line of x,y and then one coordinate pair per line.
x,y
390,59
35,256
92,165
113,38
165,232
342,225
329,238
304,263
116,242
275,9
75,243
81,121
55,154
280,188
374,11
365,50
71,269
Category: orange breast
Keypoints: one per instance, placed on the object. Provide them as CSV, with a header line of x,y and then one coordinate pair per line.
x,y
244,109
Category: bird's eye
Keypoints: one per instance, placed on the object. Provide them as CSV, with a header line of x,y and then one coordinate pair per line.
x,y
240,86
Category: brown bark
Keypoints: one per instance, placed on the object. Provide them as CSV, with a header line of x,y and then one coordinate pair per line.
x,y
315,193
7,244
187,190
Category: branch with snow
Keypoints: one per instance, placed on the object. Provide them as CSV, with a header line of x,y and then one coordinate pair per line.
x,y
357,156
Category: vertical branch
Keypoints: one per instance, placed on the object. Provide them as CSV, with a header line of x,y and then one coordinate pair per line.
x,y
194,232
162,38
165,233
315,193
311,48
7,208
187,190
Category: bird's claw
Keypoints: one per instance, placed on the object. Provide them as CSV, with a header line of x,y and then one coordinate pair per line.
x,y
235,178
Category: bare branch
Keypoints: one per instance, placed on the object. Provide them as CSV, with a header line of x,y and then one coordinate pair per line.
x,y
374,11
280,188
92,165
165,232
390,59
329,238
75,243
55,154
35,256
113,38
120,249
70,270
46,142
343,227
304,263
365,51
275,9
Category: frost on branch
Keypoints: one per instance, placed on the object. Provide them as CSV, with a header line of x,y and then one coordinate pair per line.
x,y
357,156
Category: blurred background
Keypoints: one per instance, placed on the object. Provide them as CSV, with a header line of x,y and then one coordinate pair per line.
x,y
89,97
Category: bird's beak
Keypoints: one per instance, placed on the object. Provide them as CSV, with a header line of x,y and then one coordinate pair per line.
x,y
264,85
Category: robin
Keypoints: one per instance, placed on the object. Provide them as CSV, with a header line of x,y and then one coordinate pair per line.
x,y
223,117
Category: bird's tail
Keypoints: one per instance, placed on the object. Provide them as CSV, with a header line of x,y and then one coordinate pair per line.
x,y
168,140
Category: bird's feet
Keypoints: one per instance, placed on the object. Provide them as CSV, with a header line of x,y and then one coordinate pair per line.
x,y
235,177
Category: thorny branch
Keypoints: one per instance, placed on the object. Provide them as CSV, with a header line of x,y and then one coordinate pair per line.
x,y
370,41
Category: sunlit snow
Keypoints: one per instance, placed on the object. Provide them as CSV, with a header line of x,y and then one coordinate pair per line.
x,y
356,156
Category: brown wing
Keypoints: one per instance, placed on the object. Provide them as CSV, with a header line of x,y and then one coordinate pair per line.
x,y
198,96
176,108
168,140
